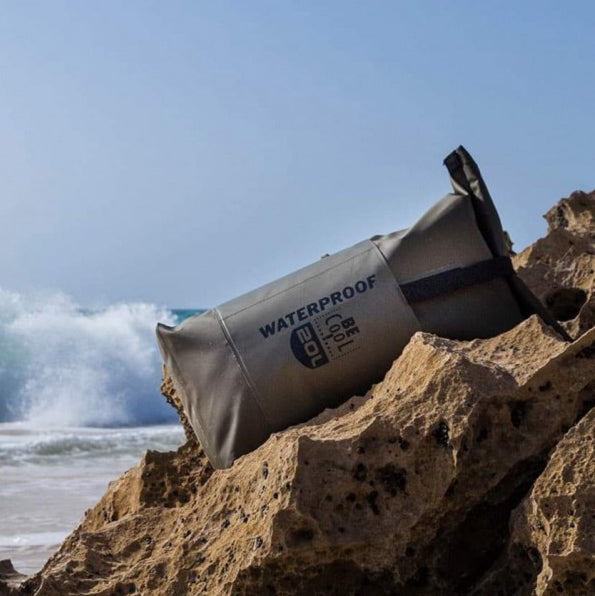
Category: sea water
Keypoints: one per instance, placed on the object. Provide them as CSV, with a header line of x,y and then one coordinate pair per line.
x,y
79,404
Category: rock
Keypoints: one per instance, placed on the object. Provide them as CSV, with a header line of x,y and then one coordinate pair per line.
x,y
10,578
557,519
407,488
437,481
171,396
552,543
560,268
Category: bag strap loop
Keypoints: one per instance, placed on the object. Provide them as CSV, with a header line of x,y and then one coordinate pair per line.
x,y
449,281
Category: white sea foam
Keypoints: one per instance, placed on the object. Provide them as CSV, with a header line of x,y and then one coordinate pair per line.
x,y
22,444
61,366
32,539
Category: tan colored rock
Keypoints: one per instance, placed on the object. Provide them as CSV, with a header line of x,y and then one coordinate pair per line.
x,y
560,268
558,517
401,489
552,545
406,490
169,392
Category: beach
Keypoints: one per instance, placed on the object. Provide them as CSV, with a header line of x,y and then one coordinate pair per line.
x,y
49,478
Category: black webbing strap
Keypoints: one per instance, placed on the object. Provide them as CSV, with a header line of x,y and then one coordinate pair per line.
x,y
465,174
449,281
454,165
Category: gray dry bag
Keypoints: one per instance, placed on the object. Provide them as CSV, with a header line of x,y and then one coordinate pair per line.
x,y
281,354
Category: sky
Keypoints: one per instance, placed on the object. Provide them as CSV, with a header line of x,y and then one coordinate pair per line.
x,y
183,153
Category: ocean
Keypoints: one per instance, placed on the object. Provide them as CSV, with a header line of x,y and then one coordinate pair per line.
x,y
79,405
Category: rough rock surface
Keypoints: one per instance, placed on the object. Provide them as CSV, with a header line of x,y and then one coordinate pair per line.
x,y
467,470
560,268
553,530
557,519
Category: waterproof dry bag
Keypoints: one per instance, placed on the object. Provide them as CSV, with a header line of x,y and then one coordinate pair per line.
x,y
281,354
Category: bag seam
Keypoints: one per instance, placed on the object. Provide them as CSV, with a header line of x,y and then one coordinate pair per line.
x,y
243,369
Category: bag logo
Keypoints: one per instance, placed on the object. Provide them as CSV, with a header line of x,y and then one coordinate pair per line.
x,y
327,338
306,347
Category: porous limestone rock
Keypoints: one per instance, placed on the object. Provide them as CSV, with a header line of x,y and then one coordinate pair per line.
x,y
557,519
552,544
560,268
437,481
405,490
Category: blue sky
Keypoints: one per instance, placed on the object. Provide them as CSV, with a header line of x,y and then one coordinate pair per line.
x,y
185,152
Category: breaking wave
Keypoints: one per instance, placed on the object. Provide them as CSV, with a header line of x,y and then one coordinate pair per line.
x,y
20,444
64,366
